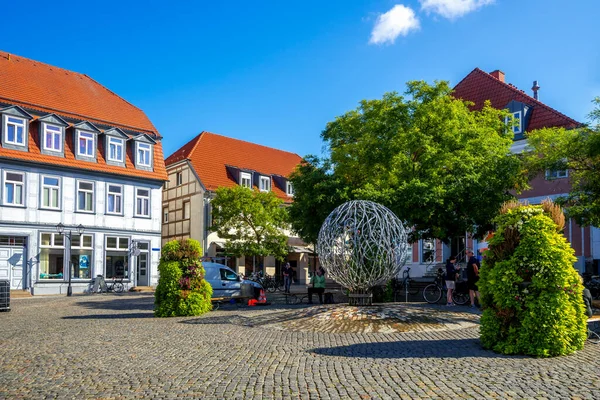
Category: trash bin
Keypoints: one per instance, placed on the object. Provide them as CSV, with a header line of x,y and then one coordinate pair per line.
x,y
4,296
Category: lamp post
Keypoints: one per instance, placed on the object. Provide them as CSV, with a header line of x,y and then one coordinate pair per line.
x,y
60,228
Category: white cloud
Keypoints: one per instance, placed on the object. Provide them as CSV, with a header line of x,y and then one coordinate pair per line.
x,y
400,20
452,9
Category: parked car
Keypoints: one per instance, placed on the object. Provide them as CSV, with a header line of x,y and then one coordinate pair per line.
x,y
226,282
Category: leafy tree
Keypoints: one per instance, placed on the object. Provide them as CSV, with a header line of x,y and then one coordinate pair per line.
x,y
577,150
252,222
441,167
316,193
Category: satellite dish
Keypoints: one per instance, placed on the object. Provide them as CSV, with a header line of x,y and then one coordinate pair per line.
x,y
136,252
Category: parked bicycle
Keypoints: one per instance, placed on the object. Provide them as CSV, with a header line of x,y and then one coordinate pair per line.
x,y
434,292
99,285
407,284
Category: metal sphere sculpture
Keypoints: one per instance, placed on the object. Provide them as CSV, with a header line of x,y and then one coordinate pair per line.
x,y
362,244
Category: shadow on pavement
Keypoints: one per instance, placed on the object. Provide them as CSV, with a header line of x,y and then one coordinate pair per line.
x,y
249,321
112,316
456,348
120,302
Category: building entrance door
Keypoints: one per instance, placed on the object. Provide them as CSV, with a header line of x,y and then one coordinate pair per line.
x,y
11,266
143,261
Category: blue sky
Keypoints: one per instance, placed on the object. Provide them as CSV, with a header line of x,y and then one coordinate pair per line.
x,y
275,72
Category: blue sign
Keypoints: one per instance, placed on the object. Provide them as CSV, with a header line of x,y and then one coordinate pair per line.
x,y
84,261
155,249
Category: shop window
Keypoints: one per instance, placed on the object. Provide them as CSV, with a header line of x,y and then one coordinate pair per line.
x,y
116,257
52,252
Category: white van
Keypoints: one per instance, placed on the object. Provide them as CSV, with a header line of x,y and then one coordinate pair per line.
x,y
226,282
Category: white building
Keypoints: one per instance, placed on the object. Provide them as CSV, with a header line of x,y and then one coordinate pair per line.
x,y
74,153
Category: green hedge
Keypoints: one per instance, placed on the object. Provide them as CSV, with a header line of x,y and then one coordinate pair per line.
x,y
182,290
531,294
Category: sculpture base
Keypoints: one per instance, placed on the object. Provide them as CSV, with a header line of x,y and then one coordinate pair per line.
x,y
360,299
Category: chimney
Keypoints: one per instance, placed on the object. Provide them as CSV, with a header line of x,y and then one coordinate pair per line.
x,y
535,89
498,75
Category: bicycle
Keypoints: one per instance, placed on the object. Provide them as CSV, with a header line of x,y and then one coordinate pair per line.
x,y
99,285
434,292
407,284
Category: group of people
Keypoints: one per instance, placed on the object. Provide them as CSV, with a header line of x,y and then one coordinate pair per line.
x,y
453,272
317,282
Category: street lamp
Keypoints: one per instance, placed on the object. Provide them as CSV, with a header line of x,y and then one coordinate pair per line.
x,y
60,228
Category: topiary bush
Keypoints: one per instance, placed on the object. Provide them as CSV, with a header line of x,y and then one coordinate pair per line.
x,y
182,290
531,294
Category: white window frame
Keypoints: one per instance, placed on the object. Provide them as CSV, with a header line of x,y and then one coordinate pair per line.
x,y
179,178
289,189
145,161
22,124
118,248
53,130
51,188
15,184
93,190
264,183
517,122
118,196
246,176
117,143
165,215
87,139
138,197
557,174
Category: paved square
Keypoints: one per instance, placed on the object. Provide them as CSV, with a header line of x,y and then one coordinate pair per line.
x,y
111,347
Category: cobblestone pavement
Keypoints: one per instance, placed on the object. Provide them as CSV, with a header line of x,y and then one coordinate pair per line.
x,y
111,347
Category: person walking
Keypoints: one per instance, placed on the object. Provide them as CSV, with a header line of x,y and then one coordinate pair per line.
x,y
473,277
318,286
451,271
287,277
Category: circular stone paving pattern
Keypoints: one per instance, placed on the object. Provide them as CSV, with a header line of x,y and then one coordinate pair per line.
x,y
388,318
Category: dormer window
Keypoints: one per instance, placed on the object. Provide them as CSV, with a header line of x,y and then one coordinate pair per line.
x,y
52,134
86,145
15,131
289,189
143,154
15,128
53,138
517,122
115,149
246,179
265,184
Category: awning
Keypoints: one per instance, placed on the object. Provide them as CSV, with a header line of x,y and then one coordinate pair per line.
x,y
300,249
220,244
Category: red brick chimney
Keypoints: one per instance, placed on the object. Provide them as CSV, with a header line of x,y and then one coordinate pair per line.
x,y
498,75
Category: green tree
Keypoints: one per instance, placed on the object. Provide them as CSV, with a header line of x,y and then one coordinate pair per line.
x,y
316,193
577,150
441,167
252,222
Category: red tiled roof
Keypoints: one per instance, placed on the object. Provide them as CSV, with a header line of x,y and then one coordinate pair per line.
x,y
210,154
43,89
479,86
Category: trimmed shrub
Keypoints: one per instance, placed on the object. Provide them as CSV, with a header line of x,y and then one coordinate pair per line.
x,y
182,290
531,294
